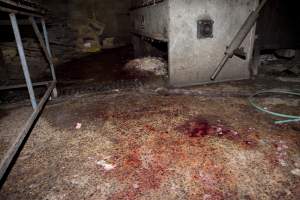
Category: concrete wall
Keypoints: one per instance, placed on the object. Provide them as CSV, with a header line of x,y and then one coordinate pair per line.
x,y
73,22
113,13
192,60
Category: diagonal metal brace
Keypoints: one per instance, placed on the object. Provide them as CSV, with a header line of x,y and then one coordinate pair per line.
x,y
40,38
239,38
45,46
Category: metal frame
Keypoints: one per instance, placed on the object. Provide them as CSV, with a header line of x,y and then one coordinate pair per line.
x,y
25,7
145,4
33,11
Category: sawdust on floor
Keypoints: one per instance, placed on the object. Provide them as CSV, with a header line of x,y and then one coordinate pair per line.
x,y
144,146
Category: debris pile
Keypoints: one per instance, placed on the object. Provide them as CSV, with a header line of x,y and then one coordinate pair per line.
x,y
154,65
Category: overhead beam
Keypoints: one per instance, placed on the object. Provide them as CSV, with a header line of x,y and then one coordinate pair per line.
x,y
30,7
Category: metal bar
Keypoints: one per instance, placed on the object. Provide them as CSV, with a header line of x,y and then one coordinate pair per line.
x,y
239,38
21,6
9,87
45,46
48,48
150,36
46,36
15,148
3,9
40,38
220,67
23,59
150,3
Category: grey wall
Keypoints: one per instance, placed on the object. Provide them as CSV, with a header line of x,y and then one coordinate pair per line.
x,y
192,60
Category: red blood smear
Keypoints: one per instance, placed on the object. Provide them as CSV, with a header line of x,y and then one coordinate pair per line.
x,y
199,127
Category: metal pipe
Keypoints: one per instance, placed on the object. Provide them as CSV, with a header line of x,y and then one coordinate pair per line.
x,y
3,9
40,38
23,6
15,27
239,38
45,46
46,36
9,87
14,149
48,48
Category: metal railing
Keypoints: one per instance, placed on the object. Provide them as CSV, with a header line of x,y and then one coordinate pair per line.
x,y
34,12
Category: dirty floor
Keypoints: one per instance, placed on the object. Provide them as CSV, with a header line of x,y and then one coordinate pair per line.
x,y
101,72
141,145
106,66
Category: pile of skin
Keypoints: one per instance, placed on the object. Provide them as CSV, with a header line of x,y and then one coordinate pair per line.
x,y
153,65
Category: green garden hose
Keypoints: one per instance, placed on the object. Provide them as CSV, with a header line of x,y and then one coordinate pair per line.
x,y
288,118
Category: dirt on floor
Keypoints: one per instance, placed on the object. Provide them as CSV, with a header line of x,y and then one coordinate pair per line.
x,y
96,72
139,145
101,67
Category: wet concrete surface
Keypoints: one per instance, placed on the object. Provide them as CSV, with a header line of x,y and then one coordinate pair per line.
x,y
140,145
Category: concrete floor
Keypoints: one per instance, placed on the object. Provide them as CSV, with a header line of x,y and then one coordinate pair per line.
x,y
136,144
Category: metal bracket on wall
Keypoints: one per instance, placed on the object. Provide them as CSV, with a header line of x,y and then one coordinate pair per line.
x,y
240,52
205,28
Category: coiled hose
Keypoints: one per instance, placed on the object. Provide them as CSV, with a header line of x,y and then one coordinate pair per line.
x,y
288,118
